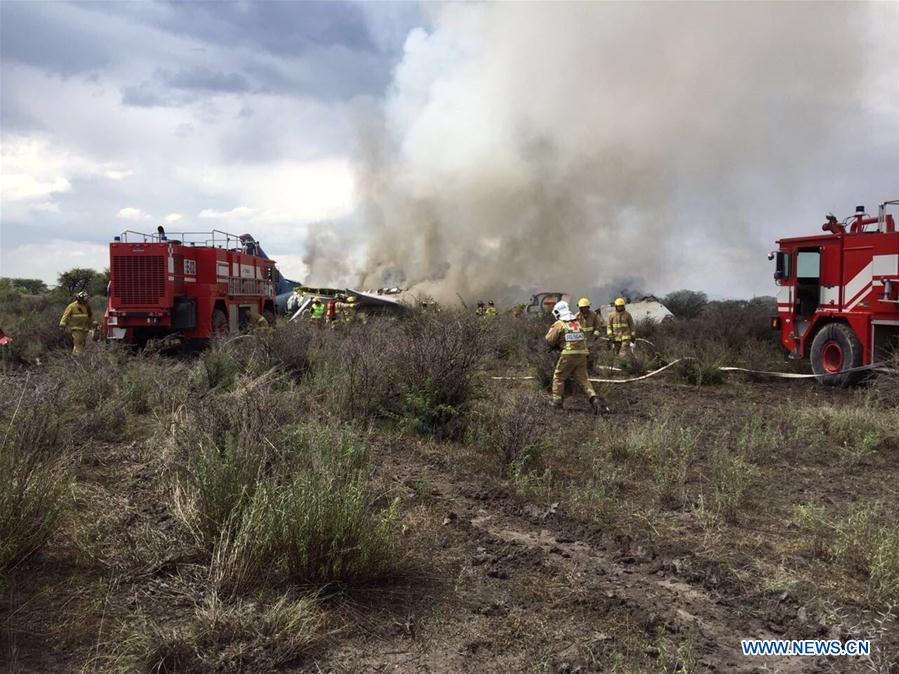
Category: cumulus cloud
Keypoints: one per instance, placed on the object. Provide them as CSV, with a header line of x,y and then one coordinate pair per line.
x,y
45,259
130,213
173,217
460,144
235,213
114,174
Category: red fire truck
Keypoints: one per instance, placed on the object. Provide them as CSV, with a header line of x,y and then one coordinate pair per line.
x,y
194,285
838,298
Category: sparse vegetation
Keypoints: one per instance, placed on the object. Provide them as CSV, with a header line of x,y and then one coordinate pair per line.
x,y
245,502
33,477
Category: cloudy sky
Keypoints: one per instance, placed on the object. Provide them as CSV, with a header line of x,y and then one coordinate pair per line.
x,y
262,117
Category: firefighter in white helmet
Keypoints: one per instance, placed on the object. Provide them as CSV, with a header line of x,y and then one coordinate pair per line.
x,y
568,335
620,329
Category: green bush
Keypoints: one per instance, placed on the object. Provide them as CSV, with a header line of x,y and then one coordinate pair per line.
x,y
32,321
298,508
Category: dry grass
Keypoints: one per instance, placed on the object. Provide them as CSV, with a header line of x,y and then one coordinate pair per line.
x,y
204,483
34,478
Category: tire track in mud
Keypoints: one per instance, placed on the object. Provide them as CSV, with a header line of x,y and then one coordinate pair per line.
x,y
681,604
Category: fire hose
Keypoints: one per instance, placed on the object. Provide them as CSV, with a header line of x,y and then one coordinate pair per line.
x,y
877,367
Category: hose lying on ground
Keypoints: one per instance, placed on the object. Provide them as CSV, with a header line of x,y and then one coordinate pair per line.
x,y
878,367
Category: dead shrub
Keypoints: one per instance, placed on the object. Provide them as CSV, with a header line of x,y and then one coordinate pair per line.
x,y
510,429
222,636
420,372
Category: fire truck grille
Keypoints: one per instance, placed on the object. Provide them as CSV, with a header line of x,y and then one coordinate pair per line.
x,y
139,279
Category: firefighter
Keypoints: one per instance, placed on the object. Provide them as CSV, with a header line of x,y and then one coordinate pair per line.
x,y
331,312
262,326
79,319
490,311
480,310
591,322
566,334
347,310
621,330
317,311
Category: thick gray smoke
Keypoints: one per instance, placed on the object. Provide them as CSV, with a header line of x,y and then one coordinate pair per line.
x,y
568,145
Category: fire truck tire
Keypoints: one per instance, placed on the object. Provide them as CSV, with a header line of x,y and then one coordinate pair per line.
x,y
219,322
836,348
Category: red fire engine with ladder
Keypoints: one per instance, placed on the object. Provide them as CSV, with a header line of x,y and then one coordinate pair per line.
x,y
190,284
838,298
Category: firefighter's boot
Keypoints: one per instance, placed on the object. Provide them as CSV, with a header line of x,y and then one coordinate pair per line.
x,y
555,404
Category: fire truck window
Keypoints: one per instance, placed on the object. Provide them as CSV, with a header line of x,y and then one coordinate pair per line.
x,y
808,265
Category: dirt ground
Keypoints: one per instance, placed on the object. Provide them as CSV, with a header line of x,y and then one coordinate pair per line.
x,y
512,577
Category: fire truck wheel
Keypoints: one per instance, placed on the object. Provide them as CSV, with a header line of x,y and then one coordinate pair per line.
x,y
219,322
834,349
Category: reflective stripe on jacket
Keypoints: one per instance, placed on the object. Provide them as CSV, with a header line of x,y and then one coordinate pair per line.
x,y
77,316
621,327
569,336
591,322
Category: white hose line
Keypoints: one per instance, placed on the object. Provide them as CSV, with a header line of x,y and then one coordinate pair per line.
x,y
645,376
878,367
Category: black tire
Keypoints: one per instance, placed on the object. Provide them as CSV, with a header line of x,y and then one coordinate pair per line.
x,y
834,349
219,323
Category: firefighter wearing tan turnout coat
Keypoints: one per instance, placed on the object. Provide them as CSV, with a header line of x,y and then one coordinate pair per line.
x,y
621,329
567,334
78,319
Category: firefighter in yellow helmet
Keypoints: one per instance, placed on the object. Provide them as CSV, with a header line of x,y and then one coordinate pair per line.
x,y
78,318
620,329
346,310
591,323
317,311
568,335
490,311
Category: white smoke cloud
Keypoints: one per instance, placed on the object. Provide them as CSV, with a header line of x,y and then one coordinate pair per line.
x,y
570,145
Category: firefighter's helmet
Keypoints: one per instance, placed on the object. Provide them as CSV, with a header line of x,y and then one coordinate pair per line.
x,y
583,302
562,311
620,302
81,295
351,299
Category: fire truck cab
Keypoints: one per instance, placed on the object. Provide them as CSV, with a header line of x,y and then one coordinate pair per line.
x,y
194,285
838,295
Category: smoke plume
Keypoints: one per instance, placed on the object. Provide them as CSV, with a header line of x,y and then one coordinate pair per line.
x,y
565,146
